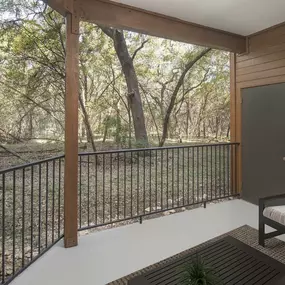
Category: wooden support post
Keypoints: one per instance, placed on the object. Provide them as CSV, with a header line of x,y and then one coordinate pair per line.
x,y
71,131
233,96
234,121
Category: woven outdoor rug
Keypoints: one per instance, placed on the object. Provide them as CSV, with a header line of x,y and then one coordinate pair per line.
x,y
274,248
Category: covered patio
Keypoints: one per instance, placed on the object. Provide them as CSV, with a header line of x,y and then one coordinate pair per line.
x,y
248,168
252,33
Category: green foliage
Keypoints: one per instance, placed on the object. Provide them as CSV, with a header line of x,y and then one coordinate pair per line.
x,y
32,74
196,272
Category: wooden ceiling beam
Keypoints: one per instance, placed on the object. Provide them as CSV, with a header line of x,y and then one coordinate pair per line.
x,y
122,16
57,5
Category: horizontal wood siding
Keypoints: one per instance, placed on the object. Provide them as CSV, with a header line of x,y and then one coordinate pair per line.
x,y
261,67
261,74
265,59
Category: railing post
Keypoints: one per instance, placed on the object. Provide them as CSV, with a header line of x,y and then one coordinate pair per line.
x,y
71,131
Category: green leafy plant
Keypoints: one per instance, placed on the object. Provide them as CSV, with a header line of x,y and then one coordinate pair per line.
x,y
196,272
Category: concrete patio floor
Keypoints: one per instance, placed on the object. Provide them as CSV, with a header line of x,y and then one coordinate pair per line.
x,y
104,256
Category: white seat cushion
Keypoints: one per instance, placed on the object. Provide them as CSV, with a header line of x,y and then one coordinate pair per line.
x,y
276,213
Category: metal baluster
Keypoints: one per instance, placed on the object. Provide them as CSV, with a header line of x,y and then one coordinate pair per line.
x,y
183,168
220,174
125,186
188,176
131,184
103,173
23,217
198,173
111,187
32,210
59,204
232,169
178,186
211,172
118,186
14,219
40,208
193,174
138,183
207,171
236,171
53,199
172,178
144,182
156,178
228,169
216,190
47,199
96,189
167,169
224,168
80,192
150,208
202,160
3,228
161,182
88,190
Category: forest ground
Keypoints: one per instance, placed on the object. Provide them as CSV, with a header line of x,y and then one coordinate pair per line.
x,y
37,150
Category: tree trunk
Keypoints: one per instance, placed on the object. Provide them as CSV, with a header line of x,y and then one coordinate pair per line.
x,y
201,116
31,127
87,123
130,126
188,66
134,96
228,131
83,129
204,129
118,128
152,114
20,127
199,130
217,128
187,119
105,133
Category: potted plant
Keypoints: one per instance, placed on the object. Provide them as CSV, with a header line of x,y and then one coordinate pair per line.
x,y
196,272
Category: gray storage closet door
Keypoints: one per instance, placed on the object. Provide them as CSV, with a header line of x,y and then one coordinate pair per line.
x,y
263,141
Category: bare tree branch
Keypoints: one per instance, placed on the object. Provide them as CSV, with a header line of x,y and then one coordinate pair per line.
x,y
188,66
138,49
151,112
193,88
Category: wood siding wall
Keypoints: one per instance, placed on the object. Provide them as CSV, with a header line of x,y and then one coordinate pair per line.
x,y
263,64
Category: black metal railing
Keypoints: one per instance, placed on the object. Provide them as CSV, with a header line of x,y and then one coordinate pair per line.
x,y
116,186
113,186
31,198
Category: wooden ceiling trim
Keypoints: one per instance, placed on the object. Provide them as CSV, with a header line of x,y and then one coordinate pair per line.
x,y
129,18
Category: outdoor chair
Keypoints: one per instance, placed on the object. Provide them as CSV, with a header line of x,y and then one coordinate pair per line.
x,y
271,213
